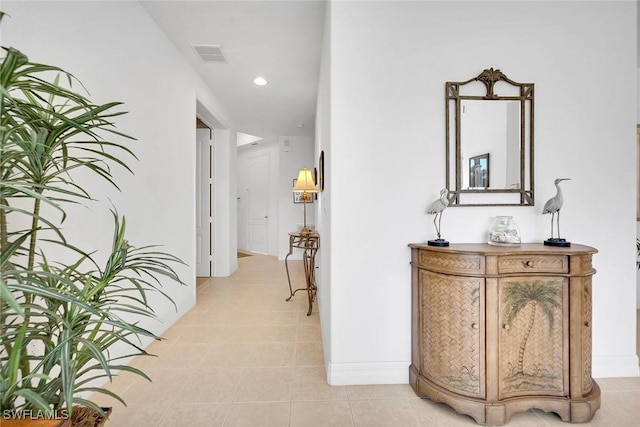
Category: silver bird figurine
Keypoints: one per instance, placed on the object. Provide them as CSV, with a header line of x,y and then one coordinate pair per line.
x,y
437,207
554,205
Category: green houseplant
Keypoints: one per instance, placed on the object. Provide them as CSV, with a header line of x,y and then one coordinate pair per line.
x,y
61,320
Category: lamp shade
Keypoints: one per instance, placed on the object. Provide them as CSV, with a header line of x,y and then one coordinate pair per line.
x,y
305,182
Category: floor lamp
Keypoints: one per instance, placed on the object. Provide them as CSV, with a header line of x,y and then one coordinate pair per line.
x,y
306,186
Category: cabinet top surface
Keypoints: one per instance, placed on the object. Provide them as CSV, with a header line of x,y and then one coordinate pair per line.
x,y
486,249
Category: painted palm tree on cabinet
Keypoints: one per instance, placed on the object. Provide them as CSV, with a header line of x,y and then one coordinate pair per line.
x,y
528,298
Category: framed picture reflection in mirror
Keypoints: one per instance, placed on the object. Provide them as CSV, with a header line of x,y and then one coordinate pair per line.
x,y
479,171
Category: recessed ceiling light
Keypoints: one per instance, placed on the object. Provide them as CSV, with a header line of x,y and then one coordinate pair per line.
x,y
259,81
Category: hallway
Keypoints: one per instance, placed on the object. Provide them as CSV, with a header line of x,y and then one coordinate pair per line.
x,y
246,357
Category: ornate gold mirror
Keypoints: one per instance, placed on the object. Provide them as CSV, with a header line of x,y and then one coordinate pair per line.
x,y
489,132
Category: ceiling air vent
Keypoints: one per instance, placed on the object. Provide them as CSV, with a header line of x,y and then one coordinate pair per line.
x,y
209,52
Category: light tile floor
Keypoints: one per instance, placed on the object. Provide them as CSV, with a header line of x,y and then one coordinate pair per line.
x,y
245,357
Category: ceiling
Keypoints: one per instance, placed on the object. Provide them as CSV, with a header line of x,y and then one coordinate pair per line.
x,y
277,40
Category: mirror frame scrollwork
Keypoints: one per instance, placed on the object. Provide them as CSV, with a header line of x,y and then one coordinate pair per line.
x,y
524,94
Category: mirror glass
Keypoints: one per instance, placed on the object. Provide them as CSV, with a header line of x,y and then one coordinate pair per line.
x,y
490,141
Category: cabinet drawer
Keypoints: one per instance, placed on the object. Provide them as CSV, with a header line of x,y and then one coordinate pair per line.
x,y
451,263
533,264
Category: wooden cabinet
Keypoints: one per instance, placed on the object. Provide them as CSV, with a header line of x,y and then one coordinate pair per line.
x,y
499,330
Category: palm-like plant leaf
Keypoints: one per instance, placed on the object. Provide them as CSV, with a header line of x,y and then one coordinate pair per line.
x,y
59,322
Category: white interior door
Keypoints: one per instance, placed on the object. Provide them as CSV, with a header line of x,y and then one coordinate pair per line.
x,y
259,203
204,186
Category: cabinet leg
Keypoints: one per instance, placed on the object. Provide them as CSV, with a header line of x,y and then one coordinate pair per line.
x,y
286,266
309,273
583,411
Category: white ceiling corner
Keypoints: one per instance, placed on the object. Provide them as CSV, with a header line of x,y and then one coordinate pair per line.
x,y
277,40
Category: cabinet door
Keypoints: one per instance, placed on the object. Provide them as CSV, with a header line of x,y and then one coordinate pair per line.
x,y
587,381
452,332
533,347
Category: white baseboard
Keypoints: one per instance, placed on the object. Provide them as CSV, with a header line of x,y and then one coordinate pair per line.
x,y
368,373
615,366
398,372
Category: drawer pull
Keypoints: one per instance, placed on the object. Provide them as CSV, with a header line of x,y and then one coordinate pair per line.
x,y
527,264
505,326
475,326
587,323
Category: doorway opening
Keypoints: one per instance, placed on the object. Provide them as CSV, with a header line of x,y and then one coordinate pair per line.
x,y
204,199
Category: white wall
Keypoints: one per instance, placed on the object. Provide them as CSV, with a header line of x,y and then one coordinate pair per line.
x,y
389,62
323,218
638,275
299,154
119,54
638,191
225,205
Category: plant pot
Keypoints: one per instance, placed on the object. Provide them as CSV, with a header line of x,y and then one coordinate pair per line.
x,y
86,417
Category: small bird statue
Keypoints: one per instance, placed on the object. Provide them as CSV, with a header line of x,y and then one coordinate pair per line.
x,y
437,207
554,205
